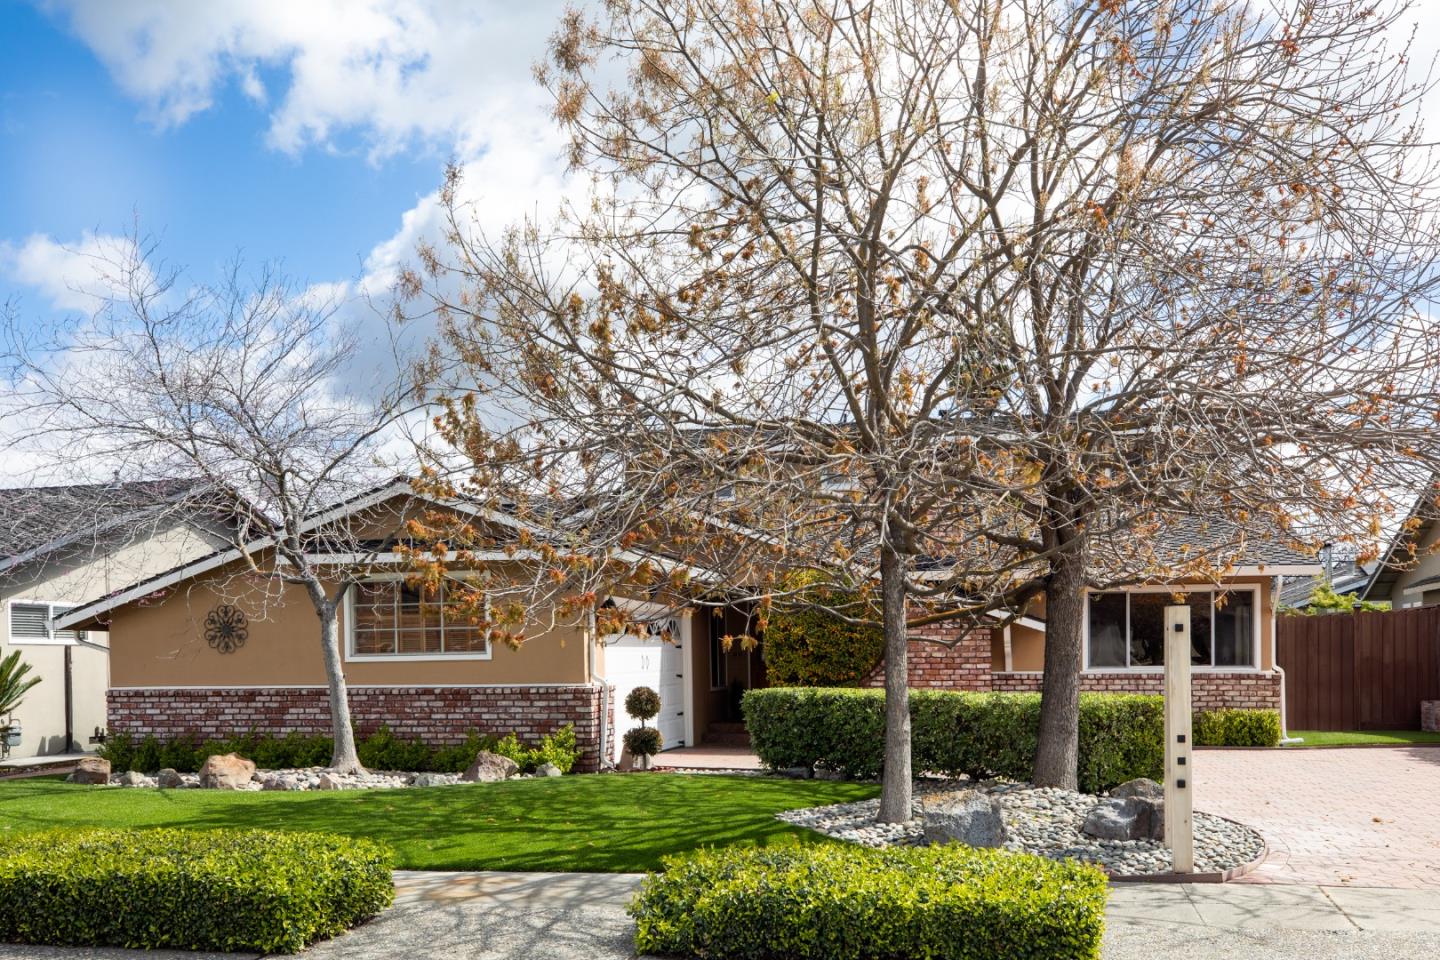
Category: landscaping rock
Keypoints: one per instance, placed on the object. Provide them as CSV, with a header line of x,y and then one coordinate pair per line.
x,y
490,768
828,773
1127,818
969,818
274,782
132,778
328,781
226,772
92,770
548,769
796,773
1142,787
169,779
430,780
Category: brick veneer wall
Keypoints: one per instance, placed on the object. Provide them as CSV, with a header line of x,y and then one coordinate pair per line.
x,y
438,715
963,661
1208,691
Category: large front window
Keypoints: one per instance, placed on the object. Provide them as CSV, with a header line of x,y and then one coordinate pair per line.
x,y
391,618
1127,630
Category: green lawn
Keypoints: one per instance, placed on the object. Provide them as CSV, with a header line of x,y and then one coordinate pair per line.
x,y
596,823
1332,738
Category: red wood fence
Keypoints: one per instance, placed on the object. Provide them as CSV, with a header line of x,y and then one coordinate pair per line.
x,y
1359,671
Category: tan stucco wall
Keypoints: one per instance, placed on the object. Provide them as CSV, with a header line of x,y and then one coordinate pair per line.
x,y
72,578
1427,566
163,644
1027,645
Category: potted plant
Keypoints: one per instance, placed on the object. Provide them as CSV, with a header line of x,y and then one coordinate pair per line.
x,y
643,741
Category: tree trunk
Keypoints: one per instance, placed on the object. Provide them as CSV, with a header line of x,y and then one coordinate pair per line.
x,y
1057,758
344,758
896,786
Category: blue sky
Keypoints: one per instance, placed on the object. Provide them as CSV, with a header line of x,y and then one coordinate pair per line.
x,y
314,134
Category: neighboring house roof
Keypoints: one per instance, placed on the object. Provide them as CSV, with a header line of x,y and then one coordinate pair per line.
x,y
37,521
1346,576
1406,543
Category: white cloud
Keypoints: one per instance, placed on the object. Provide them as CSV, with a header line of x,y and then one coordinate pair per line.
x,y
393,70
76,276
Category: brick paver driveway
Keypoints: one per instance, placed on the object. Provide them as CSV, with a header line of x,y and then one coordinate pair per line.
x,y
1364,817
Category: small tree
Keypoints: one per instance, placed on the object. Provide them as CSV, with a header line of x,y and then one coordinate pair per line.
x,y
15,682
643,741
250,391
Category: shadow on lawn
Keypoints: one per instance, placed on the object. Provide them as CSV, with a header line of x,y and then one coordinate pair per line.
x,y
603,823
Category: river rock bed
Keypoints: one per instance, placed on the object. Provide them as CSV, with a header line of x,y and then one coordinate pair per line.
x,y
308,778
1042,821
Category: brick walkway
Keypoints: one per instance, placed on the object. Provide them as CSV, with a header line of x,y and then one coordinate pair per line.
x,y
1363,817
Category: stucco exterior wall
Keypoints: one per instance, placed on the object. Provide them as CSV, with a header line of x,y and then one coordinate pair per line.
x,y
1426,567
71,578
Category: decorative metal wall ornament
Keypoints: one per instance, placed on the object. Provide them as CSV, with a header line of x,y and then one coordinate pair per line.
x,y
226,629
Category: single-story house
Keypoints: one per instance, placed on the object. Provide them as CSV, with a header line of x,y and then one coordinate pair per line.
x,y
216,647
60,546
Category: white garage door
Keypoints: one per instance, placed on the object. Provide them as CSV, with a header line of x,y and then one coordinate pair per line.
x,y
647,661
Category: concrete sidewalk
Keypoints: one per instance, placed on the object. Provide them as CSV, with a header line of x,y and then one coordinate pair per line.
x,y
579,916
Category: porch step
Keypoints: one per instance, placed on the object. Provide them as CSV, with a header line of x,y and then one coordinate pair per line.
x,y
726,735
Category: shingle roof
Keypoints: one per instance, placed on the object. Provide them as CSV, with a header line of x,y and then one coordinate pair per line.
x,y
1197,534
36,520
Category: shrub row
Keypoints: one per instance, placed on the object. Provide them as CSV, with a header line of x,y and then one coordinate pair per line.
x,y
381,750
1237,728
255,890
841,902
971,734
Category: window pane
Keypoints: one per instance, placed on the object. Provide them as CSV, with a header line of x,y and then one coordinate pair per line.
x,y
464,638
1235,629
1199,628
1147,629
1107,630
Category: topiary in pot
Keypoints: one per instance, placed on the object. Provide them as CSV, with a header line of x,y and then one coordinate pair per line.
x,y
643,704
643,742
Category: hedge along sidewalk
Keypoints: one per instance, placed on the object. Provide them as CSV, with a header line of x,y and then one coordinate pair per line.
x,y
978,735
848,903
227,890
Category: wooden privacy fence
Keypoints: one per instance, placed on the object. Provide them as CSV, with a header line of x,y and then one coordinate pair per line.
x,y
1359,671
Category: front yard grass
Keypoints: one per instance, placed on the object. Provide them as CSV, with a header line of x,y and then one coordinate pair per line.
x,y
1345,738
602,823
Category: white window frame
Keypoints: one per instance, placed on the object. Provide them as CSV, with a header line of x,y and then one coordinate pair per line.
x,y
1252,588
352,657
50,639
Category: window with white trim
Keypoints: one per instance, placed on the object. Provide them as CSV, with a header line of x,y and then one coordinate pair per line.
x,y
32,620
392,618
1126,630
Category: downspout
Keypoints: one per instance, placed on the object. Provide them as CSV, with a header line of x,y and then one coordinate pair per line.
x,y
1275,659
69,703
592,652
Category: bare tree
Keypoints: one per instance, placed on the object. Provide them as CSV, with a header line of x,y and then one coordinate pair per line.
x,y
253,395
969,301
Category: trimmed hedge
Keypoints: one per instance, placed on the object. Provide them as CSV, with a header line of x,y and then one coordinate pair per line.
x,y
251,890
1237,728
957,733
381,750
842,902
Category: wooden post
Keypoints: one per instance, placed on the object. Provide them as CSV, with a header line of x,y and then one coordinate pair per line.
x,y
1179,773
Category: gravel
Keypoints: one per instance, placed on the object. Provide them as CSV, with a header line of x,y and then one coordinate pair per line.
x,y
1043,821
306,778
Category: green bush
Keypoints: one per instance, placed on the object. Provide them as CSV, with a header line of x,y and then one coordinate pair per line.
x,y
642,703
1237,728
381,750
954,733
842,902
643,741
252,890
809,647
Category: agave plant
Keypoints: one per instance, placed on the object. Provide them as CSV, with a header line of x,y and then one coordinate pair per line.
x,y
14,683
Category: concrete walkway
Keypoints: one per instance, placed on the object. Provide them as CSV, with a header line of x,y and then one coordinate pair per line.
x,y
577,916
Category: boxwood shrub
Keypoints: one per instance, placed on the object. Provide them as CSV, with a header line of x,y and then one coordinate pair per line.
x,y
1237,728
842,902
250,890
974,734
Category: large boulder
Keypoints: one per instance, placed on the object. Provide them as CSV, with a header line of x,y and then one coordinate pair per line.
x,y
93,770
1142,787
277,782
548,769
169,779
969,818
1125,818
132,778
490,767
228,771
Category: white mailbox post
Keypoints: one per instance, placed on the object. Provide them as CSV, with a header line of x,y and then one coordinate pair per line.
x,y
1179,772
